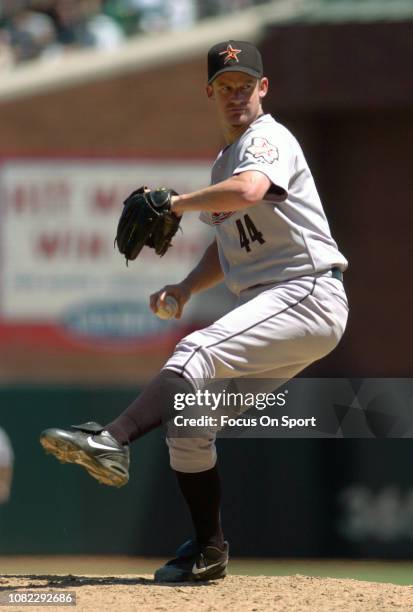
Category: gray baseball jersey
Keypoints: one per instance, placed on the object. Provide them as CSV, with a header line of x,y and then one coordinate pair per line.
x,y
284,236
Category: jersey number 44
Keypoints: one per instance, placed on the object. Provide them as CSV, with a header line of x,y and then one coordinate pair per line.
x,y
246,226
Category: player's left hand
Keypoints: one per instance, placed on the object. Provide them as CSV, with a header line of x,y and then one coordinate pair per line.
x,y
147,220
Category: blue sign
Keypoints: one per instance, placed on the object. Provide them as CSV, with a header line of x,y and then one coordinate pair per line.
x,y
114,320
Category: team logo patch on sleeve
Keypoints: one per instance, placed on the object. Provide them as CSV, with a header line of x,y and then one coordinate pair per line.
x,y
262,149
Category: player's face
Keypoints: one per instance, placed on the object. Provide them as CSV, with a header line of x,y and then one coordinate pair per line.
x,y
238,97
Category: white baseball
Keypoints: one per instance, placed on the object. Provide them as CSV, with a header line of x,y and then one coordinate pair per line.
x,y
168,308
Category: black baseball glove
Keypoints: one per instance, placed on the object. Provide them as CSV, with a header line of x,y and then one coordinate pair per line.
x,y
146,220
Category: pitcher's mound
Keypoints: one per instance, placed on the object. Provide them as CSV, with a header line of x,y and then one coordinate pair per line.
x,y
253,593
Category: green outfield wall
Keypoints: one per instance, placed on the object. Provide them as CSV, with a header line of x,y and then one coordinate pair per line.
x,y
289,498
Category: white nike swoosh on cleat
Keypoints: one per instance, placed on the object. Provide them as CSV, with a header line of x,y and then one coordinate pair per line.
x,y
94,444
201,570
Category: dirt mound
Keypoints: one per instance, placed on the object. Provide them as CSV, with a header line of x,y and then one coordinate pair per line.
x,y
129,593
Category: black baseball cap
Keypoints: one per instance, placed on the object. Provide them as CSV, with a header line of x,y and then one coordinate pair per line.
x,y
234,56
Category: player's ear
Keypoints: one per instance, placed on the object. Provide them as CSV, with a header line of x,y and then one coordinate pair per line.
x,y
209,91
263,87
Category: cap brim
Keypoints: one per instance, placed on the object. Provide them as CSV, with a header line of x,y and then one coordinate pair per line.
x,y
236,68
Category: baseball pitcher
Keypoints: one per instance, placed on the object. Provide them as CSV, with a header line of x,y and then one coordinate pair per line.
x,y
274,250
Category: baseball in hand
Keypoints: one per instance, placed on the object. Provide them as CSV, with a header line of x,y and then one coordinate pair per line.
x,y
168,308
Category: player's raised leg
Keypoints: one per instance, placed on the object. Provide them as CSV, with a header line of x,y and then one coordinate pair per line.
x,y
104,453
104,450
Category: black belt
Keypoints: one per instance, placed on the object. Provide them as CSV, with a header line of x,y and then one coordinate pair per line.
x,y
337,273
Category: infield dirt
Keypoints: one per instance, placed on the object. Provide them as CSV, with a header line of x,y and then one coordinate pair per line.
x,y
126,593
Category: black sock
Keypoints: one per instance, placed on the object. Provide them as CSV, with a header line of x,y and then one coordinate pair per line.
x,y
202,492
153,407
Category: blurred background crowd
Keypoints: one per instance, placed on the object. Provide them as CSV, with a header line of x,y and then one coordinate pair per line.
x,y
44,29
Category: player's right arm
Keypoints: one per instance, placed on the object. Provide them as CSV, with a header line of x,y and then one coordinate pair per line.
x,y
207,273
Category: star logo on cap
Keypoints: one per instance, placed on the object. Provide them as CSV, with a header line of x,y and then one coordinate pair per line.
x,y
231,54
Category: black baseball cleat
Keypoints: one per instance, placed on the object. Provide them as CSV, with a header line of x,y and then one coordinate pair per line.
x,y
193,563
91,447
